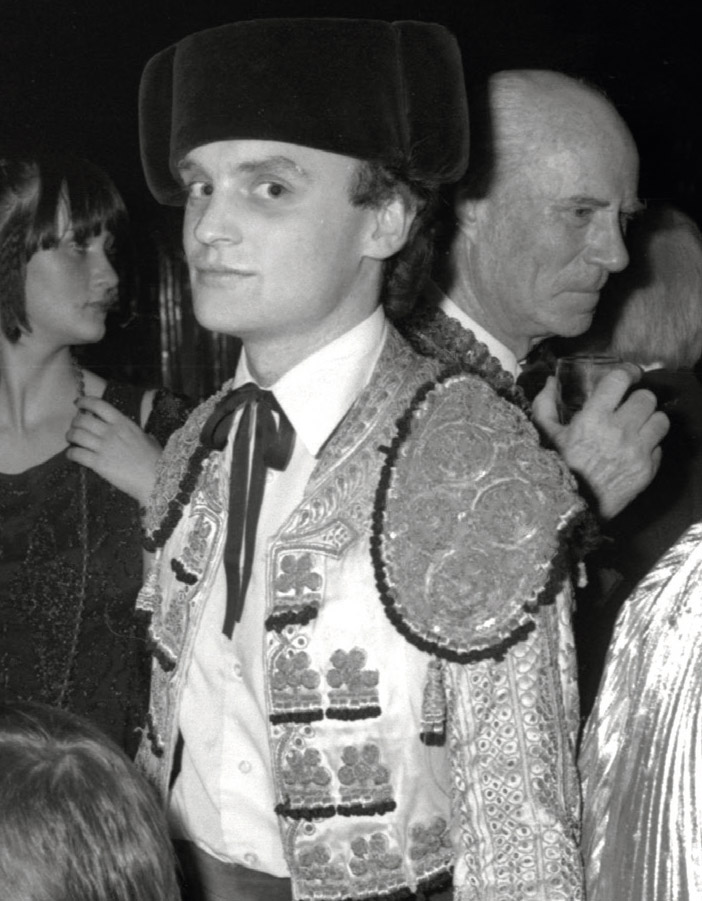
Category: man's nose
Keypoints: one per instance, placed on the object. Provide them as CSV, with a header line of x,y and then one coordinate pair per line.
x,y
218,221
607,247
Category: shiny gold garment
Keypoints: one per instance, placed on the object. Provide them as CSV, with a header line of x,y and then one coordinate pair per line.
x,y
641,758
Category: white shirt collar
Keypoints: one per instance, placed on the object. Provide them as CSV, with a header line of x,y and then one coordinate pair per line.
x,y
506,357
318,392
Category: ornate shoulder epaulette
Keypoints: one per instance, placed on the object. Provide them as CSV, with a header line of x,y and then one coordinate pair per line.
x,y
177,475
469,522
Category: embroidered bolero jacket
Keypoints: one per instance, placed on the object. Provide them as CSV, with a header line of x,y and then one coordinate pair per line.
x,y
420,685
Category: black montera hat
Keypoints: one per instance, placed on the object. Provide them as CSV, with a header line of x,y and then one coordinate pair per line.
x,y
374,90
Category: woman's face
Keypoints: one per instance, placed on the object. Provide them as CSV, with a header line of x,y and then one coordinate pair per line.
x,y
69,288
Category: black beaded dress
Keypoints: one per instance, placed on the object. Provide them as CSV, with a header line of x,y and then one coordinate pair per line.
x,y
68,633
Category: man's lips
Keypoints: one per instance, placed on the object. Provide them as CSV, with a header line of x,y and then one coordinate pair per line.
x,y
221,273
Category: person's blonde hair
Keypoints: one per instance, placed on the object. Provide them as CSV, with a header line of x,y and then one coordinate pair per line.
x,y
77,821
652,311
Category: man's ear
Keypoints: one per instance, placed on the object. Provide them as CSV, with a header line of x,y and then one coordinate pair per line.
x,y
468,215
390,228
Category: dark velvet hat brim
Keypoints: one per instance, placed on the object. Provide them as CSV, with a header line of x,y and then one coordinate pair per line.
x,y
368,89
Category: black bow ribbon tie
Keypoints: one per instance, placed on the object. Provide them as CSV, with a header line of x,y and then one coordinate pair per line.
x,y
273,444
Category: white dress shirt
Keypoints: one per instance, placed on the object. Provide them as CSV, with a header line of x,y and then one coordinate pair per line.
x,y
224,798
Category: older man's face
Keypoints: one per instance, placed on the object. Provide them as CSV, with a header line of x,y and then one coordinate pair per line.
x,y
546,239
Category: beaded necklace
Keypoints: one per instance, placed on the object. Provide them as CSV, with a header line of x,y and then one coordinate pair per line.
x,y
83,540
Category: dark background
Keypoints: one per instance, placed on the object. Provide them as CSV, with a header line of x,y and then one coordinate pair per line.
x,y
69,76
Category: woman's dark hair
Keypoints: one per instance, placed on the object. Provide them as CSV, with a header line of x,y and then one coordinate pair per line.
x,y
32,189
406,272
77,820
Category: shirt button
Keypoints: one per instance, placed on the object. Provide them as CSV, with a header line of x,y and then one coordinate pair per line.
x,y
237,670
245,766
251,859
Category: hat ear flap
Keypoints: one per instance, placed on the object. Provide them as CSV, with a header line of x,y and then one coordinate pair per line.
x,y
156,105
435,98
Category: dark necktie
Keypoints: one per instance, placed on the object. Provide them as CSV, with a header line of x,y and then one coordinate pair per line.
x,y
272,447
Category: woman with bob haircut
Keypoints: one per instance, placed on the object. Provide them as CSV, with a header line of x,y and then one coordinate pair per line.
x,y
75,462
78,822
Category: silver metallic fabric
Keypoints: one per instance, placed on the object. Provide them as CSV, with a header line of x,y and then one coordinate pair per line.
x,y
641,758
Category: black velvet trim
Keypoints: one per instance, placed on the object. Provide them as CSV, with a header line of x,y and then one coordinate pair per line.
x,y
358,713
366,810
329,810
433,739
177,504
181,573
276,622
305,813
439,882
296,716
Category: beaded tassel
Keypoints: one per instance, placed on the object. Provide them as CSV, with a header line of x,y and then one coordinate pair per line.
x,y
434,705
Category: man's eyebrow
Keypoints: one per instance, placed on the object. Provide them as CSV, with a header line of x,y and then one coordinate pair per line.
x,y
282,164
631,209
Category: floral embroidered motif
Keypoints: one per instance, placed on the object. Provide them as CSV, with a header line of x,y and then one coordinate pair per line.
x,y
198,546
364,782
294,687
307,783
430,844
296,577
298,591
372,872
353,690
317,868
373,855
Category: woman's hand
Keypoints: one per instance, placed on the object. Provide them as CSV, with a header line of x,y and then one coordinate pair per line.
x,y
109,443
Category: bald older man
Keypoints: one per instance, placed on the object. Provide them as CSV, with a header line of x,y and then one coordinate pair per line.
x,y
541,217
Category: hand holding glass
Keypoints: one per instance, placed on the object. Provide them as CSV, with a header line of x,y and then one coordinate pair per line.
x,y
577,377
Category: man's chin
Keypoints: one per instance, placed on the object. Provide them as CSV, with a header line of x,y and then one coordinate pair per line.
x,y
576,325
